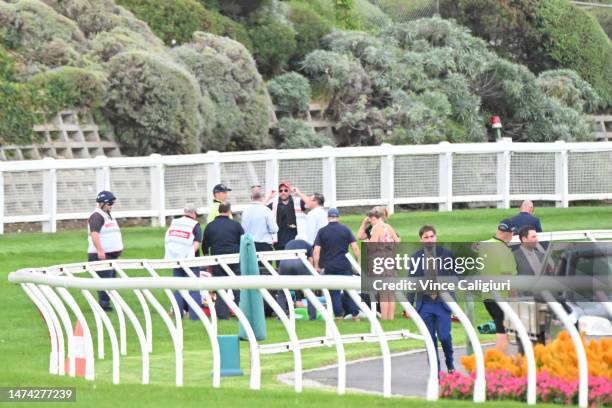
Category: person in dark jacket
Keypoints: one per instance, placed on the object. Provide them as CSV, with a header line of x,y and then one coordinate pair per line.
x,y
525,217
222,236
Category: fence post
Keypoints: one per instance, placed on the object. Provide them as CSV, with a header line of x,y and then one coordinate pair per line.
x,y
562,175
503,172
445,178
272,172
102,174
387,179
329,176
49,201
1,202
158,191
213,176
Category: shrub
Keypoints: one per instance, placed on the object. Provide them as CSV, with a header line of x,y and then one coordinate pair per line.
x,y
107,44
30,24
290,92
18,113
568,88
296,134
370,17
574,39
226,71
153,105
176,21
604,17
273,45
309,28
71,88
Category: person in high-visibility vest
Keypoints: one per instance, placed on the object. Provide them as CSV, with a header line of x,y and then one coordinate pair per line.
x,y
104,240
499,260
182,241
219,196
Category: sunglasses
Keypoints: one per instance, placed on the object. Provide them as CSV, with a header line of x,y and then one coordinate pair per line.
x,y
111,203
284,190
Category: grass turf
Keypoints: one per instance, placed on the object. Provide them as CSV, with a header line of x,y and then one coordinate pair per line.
x,y
24,342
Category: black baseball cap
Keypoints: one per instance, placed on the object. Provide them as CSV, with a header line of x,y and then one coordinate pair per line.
x,y
221,188
506,226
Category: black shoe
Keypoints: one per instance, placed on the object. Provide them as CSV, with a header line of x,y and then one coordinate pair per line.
x,y
107,309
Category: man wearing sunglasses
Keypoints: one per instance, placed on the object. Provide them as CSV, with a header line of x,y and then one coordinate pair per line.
x,y
288,210
104,239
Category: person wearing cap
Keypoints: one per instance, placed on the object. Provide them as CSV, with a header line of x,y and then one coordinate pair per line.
x,y
498,260
104,239
525,217
219,196
330,249
222,236
182,241
288,210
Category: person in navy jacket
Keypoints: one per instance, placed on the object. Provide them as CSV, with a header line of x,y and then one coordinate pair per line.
x,y
433,310
525,217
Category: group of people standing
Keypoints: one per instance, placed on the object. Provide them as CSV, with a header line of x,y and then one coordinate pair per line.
x,y
288,219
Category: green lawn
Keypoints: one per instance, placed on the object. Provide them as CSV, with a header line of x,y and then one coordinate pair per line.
x,y
24,342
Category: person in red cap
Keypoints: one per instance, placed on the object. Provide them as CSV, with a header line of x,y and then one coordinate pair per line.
x,y
288,210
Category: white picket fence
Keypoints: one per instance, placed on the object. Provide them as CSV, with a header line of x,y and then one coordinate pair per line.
x,y
47,288
47,191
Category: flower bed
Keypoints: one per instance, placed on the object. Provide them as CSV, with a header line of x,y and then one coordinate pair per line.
x,y
557,374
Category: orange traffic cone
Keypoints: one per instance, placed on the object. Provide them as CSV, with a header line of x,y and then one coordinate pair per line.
x,y
79,351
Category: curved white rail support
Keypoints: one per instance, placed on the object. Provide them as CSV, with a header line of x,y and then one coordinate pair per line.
x,y
480,386
207,296
433,385
382,339
145,309
59,307
290,328
175,309
583,368
329,319
89,351
527,347
51,321
328,301
286,292
140,334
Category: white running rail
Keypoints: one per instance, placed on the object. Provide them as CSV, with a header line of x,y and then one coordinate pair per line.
x,y
42,286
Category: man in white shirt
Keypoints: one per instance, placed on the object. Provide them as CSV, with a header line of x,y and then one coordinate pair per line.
x,y
258,220
316,217
182,241
104,240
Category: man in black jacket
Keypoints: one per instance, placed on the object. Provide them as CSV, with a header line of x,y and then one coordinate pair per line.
x,y
222,236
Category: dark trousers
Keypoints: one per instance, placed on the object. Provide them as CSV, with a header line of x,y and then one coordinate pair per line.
x,y
221,308
195,294
496,314
342,303
103,298
438,321
293,267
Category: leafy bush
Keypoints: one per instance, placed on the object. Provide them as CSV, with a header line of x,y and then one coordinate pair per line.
x,y
176,21
431,80
574,39
226,72
568,88
273,45
296,134
543,34
29,25
72,88
107,44
18,113
369,17
604,17
309,29
153,105
290,92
